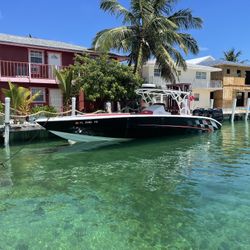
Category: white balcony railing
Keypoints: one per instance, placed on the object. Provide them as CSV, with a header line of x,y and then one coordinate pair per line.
x,y
210,85
216,84
10,69
159,81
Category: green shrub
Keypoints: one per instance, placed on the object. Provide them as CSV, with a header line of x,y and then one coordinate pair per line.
x,y
1,107
47,110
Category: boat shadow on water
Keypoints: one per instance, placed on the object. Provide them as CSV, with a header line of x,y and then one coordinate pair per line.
x,y
132,145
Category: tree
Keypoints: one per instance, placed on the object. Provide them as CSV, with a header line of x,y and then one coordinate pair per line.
x,y
104,79
66,84
151,28
1,107
233,56
20,98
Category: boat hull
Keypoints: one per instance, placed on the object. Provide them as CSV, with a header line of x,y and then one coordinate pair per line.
x,y
130,126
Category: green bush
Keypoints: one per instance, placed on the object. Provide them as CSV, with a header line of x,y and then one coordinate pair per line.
x,y
47,110
1,107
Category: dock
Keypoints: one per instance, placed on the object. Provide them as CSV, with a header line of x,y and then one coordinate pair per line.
x,y
25,133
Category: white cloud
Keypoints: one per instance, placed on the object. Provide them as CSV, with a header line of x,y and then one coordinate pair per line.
x,y
203,49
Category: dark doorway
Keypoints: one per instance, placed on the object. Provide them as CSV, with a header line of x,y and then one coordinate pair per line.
x,y
211,95
247,81
248,96
240,99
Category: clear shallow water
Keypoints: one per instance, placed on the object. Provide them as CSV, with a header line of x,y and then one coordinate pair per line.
x,y
189,192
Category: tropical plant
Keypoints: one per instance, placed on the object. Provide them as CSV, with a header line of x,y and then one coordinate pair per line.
x,y
20,98
151,29
1,107
66,84
104,79
49,111
233,56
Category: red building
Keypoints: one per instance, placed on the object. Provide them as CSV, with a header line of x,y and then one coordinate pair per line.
x,y
29,62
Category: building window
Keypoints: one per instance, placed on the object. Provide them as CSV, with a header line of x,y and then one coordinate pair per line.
x,y
41,97
179,72
201,75
238,72
228,71
157,72
36,56
196,97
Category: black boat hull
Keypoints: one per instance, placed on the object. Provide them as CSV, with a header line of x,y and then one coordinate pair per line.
x,y
130,126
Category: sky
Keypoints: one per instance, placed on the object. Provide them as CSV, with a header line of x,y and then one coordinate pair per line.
x,y
226,23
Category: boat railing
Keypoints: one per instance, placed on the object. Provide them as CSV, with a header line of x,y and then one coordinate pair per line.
x,y
173,98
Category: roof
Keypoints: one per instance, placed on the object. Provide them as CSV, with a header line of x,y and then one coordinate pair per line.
x,y
222,62
202,67
191,66
201,60
37,42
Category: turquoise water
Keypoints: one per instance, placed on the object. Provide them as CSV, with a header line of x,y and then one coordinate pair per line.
x,y
189,192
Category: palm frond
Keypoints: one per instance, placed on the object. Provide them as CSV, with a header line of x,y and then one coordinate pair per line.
x,y
185,20
115,8
188,43
113,38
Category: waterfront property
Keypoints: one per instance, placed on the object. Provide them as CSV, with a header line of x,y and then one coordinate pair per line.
x,y
30,62
235,78
198,76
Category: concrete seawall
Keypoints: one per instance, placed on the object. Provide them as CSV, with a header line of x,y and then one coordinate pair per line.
x,y
25,134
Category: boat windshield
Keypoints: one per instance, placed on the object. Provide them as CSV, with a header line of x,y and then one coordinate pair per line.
x,y
156,109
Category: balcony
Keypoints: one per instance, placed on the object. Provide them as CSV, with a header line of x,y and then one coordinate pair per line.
x,y
213,84
27,72
157,80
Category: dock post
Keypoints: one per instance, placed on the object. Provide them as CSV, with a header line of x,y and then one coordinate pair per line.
x,y
7,122
233,110
211,103
118,107
73,109
248,107
162,100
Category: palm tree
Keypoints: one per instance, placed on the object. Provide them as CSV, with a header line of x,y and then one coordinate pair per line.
x,y
65,82
233,56
151,29
20,98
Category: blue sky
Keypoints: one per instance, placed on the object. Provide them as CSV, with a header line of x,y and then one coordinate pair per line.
x,y
226,23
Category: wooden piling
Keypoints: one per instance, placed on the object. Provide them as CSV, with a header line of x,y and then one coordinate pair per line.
x,y
73,108
233,110
211,103
247,110
7,122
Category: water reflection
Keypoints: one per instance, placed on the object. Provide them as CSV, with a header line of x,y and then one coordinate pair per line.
x,y
5,169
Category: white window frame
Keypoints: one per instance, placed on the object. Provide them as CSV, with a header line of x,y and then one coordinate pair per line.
x,y
201,75
43,93
157,72
39,51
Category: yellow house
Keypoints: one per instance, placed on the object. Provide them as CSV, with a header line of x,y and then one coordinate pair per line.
x,y
235,79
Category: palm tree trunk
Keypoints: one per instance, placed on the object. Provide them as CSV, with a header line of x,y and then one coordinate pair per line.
x,y
138,63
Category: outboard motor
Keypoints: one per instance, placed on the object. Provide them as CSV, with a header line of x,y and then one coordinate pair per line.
x,y
215,113
218,114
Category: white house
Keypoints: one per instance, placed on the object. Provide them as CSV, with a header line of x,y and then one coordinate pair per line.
x,y
198,76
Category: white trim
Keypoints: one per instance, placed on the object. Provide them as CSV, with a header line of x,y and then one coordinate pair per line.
x,y
51,52
43,92
38,50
